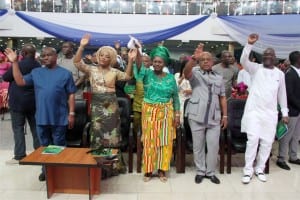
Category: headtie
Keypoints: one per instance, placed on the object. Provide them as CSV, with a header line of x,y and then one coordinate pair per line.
x,y
162,52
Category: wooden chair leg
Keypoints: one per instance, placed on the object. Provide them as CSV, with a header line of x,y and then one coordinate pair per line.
x,y
138,154
228,168
130,154
180,151
222,155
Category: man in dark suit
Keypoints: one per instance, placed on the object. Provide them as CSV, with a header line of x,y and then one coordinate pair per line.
x,y
289,143
22,104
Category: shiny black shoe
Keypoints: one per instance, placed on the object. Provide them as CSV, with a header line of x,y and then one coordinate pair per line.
x,y
198,179
283,165
214,179
297,161
42,177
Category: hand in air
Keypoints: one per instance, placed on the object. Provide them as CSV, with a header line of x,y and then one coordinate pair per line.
x,y
11,55
253,38
198,51
85,39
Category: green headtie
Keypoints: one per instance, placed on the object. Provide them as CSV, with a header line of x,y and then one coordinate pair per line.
x,y
162,52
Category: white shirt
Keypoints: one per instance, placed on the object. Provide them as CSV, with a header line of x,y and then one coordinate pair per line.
x,y
244,76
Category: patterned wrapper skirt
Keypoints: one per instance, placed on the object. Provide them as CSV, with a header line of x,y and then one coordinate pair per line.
x,y
158,134
105,118
3,94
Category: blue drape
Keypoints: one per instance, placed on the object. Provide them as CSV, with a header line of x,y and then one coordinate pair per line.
x,y
3,12
281,32
99,39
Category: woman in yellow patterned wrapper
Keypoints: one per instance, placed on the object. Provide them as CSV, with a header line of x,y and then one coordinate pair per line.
x,y
160,112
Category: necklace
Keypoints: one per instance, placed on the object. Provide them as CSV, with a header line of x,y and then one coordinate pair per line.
x,y
102,72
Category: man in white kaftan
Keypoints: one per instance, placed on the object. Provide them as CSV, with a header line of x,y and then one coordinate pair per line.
x,y
260,115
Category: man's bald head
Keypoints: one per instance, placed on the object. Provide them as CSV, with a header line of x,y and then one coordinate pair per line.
x,y
28,50
206,61
269,58
49,57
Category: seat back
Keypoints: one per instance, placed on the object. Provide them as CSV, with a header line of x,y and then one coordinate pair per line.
x,y
125,112
187,128
235,109
74,135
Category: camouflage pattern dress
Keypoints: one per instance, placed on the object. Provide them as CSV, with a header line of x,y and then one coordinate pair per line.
x,y
105,116
105,120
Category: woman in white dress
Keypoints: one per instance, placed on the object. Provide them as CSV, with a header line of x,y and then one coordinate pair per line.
x,y
184,89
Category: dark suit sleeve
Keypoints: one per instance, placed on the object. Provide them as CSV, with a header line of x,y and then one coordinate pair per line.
x,y
8,76
290,78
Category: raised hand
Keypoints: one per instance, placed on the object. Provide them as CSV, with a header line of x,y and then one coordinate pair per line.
x,y
117,45
252,38
85,39
11,55
198,51
132,53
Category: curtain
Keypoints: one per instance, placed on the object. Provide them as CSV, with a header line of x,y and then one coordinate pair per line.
x,y
281,32
148,31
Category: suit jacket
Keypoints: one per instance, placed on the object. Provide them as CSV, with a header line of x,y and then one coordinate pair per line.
x,y
292,81
21,98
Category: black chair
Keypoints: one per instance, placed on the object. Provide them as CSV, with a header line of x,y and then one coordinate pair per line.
x,y
236,140
126,129
74,136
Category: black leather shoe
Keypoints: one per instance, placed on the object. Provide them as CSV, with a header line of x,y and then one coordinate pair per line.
x,y
42,177
214,179
297,161
198,179
283,165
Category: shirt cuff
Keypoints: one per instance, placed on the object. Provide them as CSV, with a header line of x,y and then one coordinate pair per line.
x,y
284,112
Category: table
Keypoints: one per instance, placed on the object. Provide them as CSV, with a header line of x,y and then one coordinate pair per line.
x,y
70,171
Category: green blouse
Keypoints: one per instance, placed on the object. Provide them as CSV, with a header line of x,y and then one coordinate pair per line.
x,y
157,89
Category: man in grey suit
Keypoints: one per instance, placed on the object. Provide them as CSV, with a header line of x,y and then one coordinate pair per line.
x,y
288,145
206,112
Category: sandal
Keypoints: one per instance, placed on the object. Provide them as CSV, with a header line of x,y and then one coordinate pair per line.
x,y
147,177
162,176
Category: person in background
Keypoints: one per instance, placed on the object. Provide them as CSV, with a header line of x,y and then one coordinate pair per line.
x,y
284,66
260,115
4,66
105,116
184,88
288,144
22,104
54,89
244,77
160,112
206,112
66,61
138,98
147,60
228,71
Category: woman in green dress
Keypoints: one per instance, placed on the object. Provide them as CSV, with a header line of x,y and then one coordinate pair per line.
x,y
160,112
